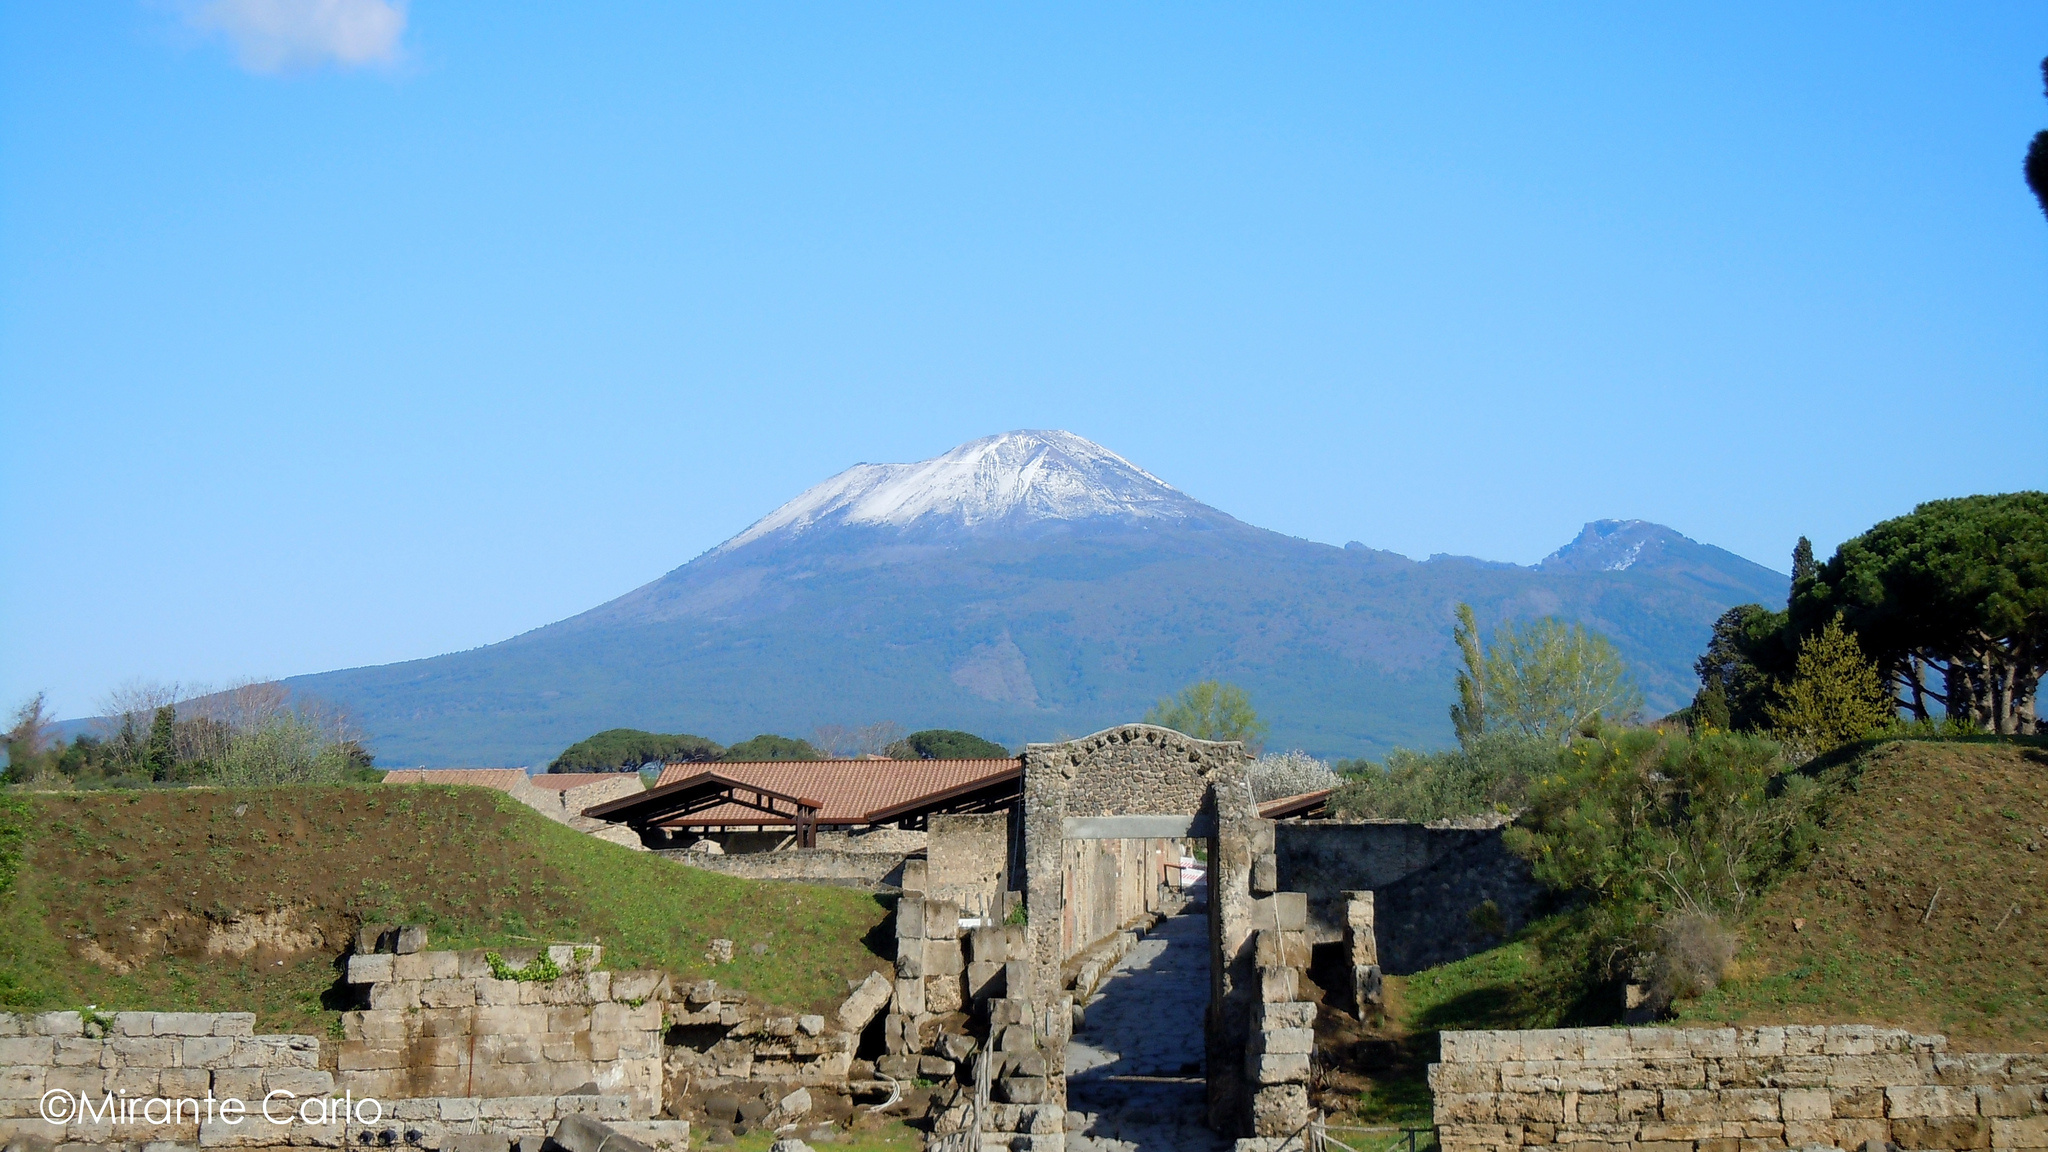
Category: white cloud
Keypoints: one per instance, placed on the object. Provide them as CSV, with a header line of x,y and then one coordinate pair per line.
x,y
282,35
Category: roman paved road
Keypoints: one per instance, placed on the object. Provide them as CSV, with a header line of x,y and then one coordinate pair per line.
x,y
1134,1070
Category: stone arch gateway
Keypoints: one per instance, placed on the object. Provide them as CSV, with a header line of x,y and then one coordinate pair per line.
x,y
1141,782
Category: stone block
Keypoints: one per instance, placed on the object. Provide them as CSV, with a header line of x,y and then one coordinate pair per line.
x,y
1276,1067
1021,1089
1017,1038
149,1052
2022,1132
410,938
475,1142
910,918
897,1065
1467,1107
581,1133
20,1082
1942,1132
206,1051
930,1066
134,1024
182,1024
866,1001
1930,1101
1277,985
360,1055
943,994
1265,873
448,993
1806,1104
988,944
641,984
943,958
1284,1014
370,967
237,1024
910,959
909,1000
1280,1110
1017,979
984,980
1284,1040
1286,911
1273,949
31,1050
298,1081
941,920
395,995
57,1024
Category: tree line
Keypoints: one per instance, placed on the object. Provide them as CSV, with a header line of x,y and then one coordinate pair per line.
x,y
250,734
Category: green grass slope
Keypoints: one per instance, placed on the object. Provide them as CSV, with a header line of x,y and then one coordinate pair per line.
x,y
1857,934
149,899
1924,906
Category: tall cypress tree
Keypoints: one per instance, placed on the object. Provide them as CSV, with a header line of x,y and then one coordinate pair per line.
x,y
1804,569
162,750
1468,715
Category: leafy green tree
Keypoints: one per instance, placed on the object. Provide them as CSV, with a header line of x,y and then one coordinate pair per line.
x,y
769,746
1549,679
1648,822
1957,588
2037,155
1210,710
1835,697
945,744
1489,776
630,749
1468,715
1744,656
27,741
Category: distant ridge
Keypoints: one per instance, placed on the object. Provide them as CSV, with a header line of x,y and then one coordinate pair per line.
x,y
1029,586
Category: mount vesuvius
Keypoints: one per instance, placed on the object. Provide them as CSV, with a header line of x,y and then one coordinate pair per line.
x,y
1031,586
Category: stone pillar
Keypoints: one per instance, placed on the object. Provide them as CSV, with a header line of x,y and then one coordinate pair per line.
x,y
1233,974
1281,1032
1364,947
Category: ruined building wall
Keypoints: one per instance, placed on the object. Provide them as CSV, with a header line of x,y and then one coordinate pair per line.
x,y
967,861
1108,885
1432,886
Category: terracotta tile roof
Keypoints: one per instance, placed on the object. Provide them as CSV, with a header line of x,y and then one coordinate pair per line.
x,y
846,790
1283,806
563,781
503,779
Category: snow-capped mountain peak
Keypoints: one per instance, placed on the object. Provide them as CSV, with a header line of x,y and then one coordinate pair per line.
x,y
1010,477
1612,546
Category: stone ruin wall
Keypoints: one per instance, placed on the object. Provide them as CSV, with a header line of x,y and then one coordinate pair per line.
x,y
1432,885
1112,885
1733,1090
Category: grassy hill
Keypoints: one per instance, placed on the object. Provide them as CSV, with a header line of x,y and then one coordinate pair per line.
x,y
1925,907
1856,935
241,899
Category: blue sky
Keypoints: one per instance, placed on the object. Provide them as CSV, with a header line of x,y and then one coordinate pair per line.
x,y
336,333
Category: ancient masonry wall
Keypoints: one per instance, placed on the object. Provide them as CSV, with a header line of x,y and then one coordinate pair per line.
x,y
870,870
968,862
1733,1090
446,1024
1434,885
1109,886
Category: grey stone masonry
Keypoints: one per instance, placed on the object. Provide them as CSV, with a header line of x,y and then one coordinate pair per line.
x,y
454,1024
1362,942
752,1043
1753,1089
175,1056
1282,1034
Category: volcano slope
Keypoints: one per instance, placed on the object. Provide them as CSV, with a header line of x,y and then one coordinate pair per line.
x,y
242,899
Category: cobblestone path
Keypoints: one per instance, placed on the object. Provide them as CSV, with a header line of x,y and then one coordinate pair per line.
x,y
1134,1070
